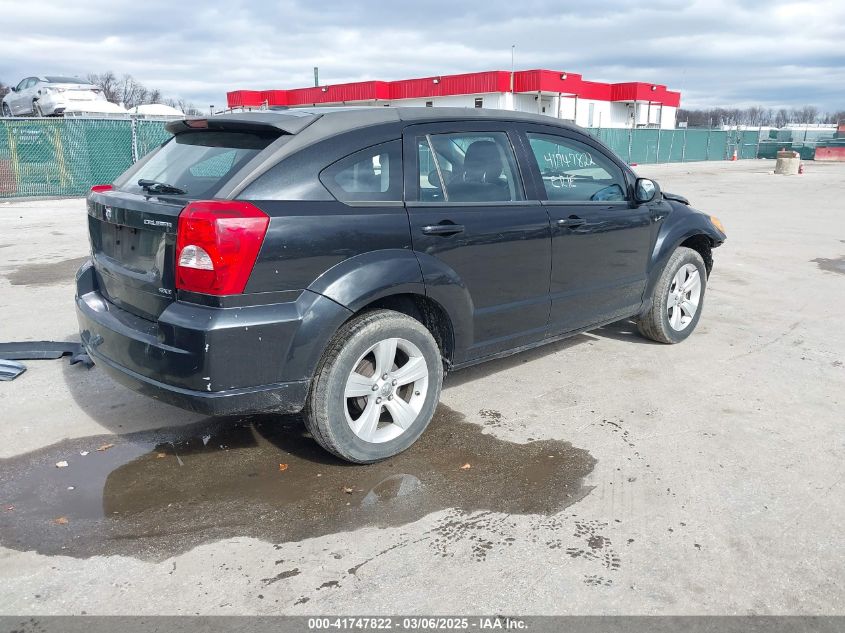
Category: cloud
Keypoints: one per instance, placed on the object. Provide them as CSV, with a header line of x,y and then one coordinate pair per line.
x,y
716,52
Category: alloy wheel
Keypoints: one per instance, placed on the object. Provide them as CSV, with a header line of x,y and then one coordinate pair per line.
x,y
386,390
684,297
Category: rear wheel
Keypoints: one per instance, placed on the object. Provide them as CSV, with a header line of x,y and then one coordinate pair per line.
x,y
36,109
677,299
376,387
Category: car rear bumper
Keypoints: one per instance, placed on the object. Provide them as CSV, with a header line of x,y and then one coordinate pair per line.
x,y
209,360
285,397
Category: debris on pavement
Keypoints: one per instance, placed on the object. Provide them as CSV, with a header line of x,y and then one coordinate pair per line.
x,y
10,369
43,350
104,447
83,453
61,464
283,467
60,521
39,350
466,466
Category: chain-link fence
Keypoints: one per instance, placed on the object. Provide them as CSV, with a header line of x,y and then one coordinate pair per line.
x,y
65,157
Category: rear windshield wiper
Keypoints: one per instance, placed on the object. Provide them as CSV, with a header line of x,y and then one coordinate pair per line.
x,y
153,186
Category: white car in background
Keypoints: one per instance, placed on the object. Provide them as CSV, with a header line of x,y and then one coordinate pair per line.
x,y
52,95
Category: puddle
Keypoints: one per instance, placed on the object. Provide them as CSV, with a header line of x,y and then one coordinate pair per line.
x,y
157,494
46,274
831,265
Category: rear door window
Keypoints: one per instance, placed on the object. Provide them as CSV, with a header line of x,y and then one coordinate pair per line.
x,y
373,174
198,162
574,171
467,167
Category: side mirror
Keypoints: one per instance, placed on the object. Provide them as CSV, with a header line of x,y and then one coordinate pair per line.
x,y
14,88
645,190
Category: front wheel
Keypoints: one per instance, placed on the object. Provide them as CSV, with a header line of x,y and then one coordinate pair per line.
x,y
6,111
677,299
376,387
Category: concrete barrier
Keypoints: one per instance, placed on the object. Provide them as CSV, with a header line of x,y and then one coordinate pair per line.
x,y
833,154
788,163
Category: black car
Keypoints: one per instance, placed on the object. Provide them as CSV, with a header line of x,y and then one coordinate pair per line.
x,y
338,261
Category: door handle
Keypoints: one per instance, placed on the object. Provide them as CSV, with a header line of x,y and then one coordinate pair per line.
x,y
571,221
443,229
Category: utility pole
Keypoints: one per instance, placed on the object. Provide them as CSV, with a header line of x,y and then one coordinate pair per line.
x,y
513,51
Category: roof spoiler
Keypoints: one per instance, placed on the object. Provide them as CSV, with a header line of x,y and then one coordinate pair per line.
x,y
268,122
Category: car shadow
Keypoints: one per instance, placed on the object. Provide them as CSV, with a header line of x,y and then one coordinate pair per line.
x,y
119,409
624,330
123,412
140,419
487,368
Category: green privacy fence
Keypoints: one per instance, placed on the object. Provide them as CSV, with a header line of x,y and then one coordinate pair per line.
x,y
65,157
675,146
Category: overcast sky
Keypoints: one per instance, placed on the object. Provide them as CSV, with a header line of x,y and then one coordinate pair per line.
x,y
717,53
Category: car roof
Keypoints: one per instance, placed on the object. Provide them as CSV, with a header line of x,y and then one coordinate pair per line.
x,y
344,118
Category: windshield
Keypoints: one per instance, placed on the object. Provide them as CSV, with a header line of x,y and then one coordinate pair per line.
x,y
198,163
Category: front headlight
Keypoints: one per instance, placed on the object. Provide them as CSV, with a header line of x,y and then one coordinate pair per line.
x,y
718,224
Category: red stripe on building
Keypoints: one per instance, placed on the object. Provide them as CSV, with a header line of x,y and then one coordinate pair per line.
x,y
546,81
497,81
637,91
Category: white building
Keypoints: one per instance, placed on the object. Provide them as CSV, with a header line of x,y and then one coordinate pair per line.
x,y
562,95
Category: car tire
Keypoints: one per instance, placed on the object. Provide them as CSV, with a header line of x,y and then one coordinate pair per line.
x,y
376,387
36,110
6,111
677,299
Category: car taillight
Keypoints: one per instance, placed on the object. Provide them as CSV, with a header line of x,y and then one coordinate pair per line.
x,y
217,243
101,188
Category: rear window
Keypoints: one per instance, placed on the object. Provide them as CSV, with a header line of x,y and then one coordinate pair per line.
x,y
199,163
53,79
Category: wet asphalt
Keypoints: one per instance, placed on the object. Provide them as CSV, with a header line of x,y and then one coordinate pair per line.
x,y
602,474
157,494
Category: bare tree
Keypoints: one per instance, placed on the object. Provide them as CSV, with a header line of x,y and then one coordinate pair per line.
x,y
132,93
834,117
757,116
808,114
107,82
4,89
185,106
